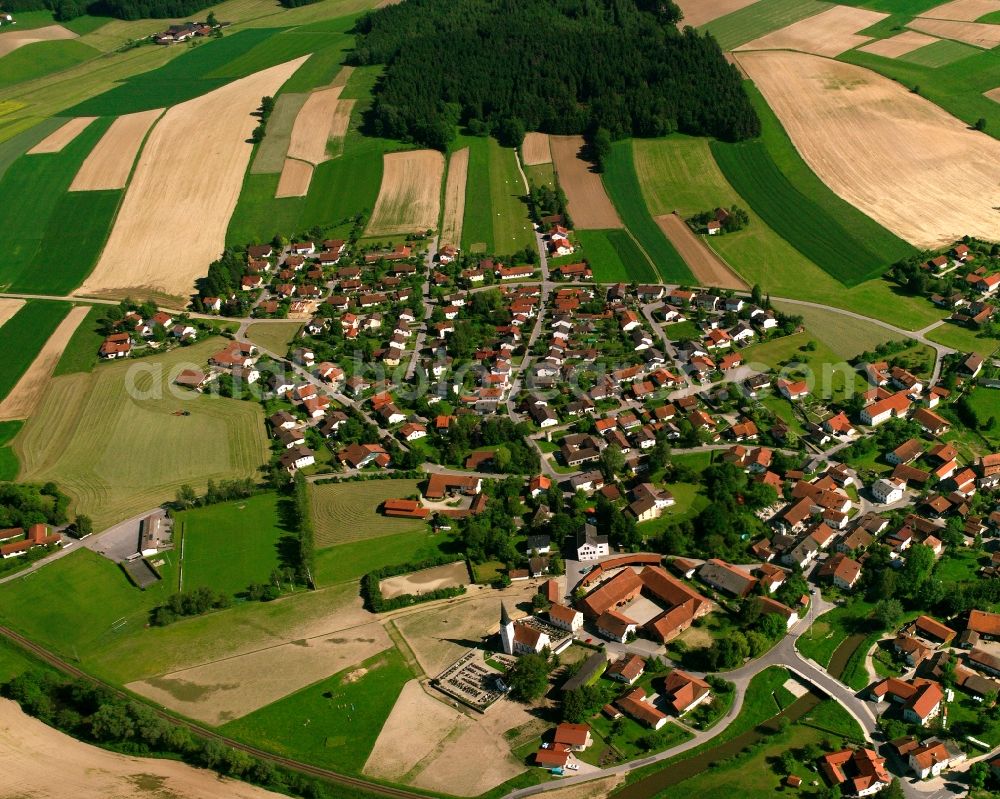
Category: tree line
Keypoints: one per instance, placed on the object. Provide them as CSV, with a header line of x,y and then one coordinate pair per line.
x,y
121,9
558,66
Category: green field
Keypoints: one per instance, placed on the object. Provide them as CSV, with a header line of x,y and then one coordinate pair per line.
x,y
23,335
986,404
48,256
274,337
8,459
780,187
963,339
679,173
13,148
623,188
348,562
759,18
232,544
114,443
613,255
845,335
42,58
333,723
349,511
541,175
939,53
80,354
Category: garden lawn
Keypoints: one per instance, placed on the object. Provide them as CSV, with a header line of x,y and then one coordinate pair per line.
x,y
232,544
49,256
963,339
351,561
8,458
80,354
42,58
623,188
333,723
274,337
757,19
985,403
683,331
679,173
24,335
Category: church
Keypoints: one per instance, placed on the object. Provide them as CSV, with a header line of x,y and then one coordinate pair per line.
x,y
520,638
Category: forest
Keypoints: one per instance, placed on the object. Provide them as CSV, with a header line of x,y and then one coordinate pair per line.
x,y
557,66
122,9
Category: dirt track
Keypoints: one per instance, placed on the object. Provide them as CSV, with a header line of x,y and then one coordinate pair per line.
x,y
828,33
588,204
59,138
409,199
295,179
894,155
11,41
698,12
25,396
40,762
172,222
974,33
901,44
535,149
454,198
708,268
110,162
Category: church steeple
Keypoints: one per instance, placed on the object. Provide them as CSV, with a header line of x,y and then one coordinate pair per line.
x,y
504,616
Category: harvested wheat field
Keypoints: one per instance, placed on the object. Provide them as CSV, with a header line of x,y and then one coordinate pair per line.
x,y
110,162
454,197
311,130
828,33
21,402
448,576
8,308
898,45
59,138
587,202
210,134
963,10
975,33
409,199
9,42
535,149
295,179
228,689
894,155
708,268
698,12
43,763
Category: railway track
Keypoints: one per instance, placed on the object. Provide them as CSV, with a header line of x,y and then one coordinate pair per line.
x,y
305,768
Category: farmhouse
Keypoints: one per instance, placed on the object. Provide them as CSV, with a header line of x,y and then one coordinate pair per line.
x,y
635,704
893,406
921,699
727,578
37,536
858,772
441,485
684,692
357,456
154,535
296,458
117,345
627,669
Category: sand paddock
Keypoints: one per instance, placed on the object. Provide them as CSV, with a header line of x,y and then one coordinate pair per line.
x,y
25,396
295,179
409,199
8,308
110,162
897,157
55,141
963,10
901,44
454,197
588,204
698,12
43,763
974,33
447,576
708,268
227,689
9,42
828,33
172,222
535,149
311,130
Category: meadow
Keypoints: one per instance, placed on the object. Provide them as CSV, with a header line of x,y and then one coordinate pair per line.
x,y
13,148
622,186
346,563
963,339
349,511
233,544
613,256
22,337
274,337
333,723
114,442
845,335
42,58
940,53
755,20
8,459
81,352
48,256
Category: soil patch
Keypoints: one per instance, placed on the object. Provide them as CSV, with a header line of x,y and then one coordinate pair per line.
x,y
828,33
21,402
454,197
409,199
535,149
698,12
295,179
447,576
977,34
209,135
110,162
901,44
897,157
55,141
9,42
963,10
587,202
8,308
43,763
707,266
